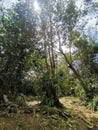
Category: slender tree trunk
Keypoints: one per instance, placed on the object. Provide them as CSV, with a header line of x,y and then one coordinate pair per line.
x,y
46,59
78,76
51,97
75,72
52,47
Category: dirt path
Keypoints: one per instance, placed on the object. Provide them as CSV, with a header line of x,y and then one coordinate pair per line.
x,y
72,103
33,103
75,104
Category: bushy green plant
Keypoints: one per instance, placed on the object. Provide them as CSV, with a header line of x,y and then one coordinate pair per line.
x,y
31,98
79,92
47,101
12,108
21,100
93,104
65,85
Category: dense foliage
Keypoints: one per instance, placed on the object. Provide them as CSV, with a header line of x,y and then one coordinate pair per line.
x,y
32,56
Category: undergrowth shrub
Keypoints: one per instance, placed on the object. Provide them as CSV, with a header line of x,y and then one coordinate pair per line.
x,y
93,104
21,100
79,92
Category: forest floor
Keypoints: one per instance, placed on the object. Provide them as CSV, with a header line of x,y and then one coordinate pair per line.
x,y
75,104
74,116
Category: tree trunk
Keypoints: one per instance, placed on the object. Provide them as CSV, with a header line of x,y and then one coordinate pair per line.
x,y
71,66
51,98
75,72
52,47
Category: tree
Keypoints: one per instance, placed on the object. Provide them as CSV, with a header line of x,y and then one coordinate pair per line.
x,y
86,55
57,23
46,31
67,34
17,42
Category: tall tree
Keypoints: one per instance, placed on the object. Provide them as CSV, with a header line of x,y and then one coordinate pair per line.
x,y
47,35
66,32
58,25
